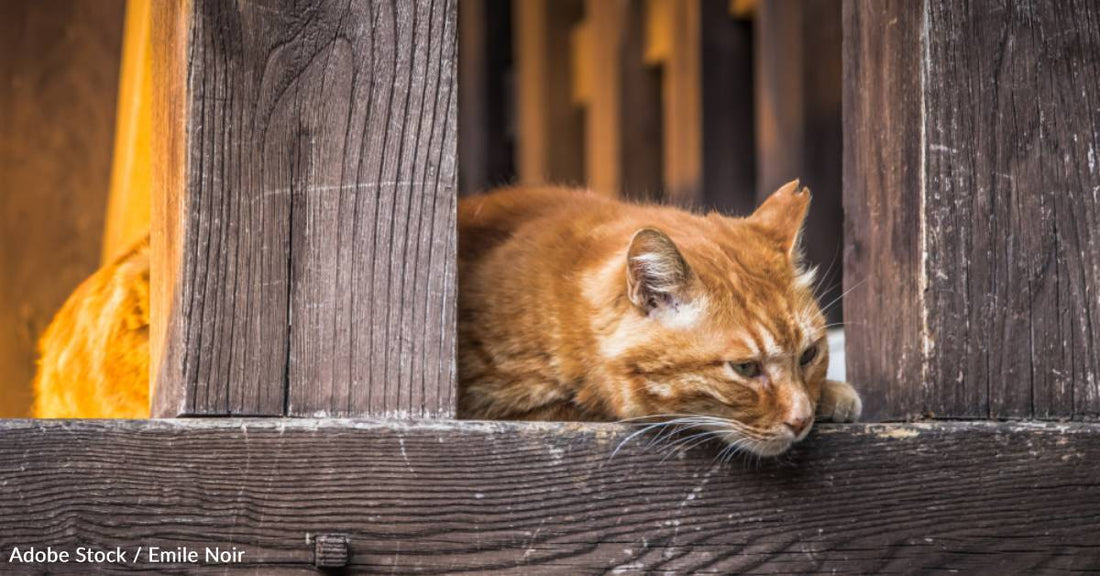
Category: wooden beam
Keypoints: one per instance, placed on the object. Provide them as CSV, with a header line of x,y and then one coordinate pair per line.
x,y
798,123
971,208
59,73
554,498
307,241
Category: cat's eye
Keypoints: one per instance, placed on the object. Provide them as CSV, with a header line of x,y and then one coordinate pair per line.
x,y
808,356
746,369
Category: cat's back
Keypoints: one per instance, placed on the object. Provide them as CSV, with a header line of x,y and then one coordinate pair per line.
x,y
486,221
94,357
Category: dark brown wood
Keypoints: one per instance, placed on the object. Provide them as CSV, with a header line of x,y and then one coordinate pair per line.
x,y
640,126
972,214
798,95
486,145
449,497
316,247
729,145
59,66
550,129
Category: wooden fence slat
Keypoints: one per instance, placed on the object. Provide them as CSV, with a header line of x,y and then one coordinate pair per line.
x,y
621,95
799,135
485,58
550,129
315,209
972,214
729,143
536,498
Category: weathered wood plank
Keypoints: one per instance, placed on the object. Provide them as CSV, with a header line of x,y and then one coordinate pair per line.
x,y
882,253
59,66
973,216
315,211
447,497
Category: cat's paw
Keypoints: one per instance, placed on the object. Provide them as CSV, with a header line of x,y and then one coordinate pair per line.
x,y
839,402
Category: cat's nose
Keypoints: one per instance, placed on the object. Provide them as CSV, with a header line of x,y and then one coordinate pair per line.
x,y
797,425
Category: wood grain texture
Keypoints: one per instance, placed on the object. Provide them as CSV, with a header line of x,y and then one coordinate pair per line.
x,y
973,211
59,66
882,205
453,497
317,255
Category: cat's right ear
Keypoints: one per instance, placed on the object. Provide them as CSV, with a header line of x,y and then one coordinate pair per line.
x,y
656,272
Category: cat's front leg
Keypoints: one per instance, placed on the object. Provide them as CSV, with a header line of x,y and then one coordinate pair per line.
x,y
839,402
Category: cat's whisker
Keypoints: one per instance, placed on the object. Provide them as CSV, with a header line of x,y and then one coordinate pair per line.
x,y
683,446
825,308
665,425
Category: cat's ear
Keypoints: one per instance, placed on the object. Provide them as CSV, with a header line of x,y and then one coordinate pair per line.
x,y
656,272
783,214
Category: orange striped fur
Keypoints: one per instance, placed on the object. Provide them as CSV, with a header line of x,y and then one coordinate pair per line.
x,y
94,357
576,306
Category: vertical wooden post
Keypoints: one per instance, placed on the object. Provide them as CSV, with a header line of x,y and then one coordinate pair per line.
x,y
621,96
971,180
729,145
550,139
304,241
674,32
798,122
128,209
485,56
706,63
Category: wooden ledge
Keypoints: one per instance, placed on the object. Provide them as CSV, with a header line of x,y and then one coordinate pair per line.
x,y
447,496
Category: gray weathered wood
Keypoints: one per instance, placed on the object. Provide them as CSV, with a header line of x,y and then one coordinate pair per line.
x,y
59,66
316,244
971,174
447,497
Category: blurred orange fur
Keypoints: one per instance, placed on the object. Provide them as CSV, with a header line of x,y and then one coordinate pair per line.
x,y
94,357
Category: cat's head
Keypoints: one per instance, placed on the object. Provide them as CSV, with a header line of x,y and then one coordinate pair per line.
x,y
718,325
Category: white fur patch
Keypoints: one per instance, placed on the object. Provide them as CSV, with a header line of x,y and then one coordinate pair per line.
x,y
771,346
805,279
683,316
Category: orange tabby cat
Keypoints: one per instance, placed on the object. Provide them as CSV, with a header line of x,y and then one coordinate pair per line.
x,y
94,357
575,306
572,306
